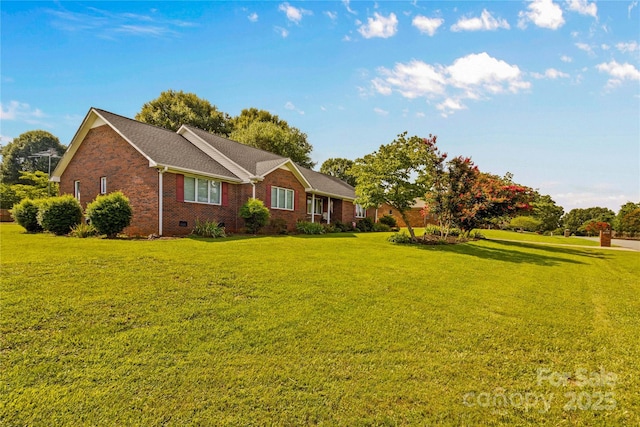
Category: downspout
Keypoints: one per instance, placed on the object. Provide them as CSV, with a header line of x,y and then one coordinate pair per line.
x,y
329,210
160,198
253,190
313,206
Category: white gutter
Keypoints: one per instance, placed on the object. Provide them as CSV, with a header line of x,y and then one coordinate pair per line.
x,y
160,199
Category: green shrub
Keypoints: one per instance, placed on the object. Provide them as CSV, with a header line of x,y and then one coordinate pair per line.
x,y
277,226
59,214
110,214
365,225
26,214
331,228
526,223
342,226
306,227
83,230
255,215
381,227
388,220
476,234
401,238
208,229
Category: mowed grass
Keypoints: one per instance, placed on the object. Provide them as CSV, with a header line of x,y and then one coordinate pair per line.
x,y
344,329
537,238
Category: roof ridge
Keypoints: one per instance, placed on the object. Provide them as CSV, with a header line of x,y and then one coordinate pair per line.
x,y
134,120
238,142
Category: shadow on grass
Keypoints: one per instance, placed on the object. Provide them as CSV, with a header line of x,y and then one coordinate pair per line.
x,y
507,254
236,237
586,252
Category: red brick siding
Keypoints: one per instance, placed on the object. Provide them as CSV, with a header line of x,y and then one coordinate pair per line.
x,y
175,211
284,179
105,153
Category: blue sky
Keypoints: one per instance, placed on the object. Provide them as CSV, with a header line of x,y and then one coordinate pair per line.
x,y
547,90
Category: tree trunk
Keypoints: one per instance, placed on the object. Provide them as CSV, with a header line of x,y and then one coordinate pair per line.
x,y
408,224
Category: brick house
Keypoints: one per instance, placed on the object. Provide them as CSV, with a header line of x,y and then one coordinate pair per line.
x,y
174,178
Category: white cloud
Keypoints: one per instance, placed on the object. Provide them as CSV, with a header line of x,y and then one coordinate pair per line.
x,y
284,33
346,5
565,58
631,46
380,111
583,7
427,25
585,47
21,112
543,13
551,73
290,106
630,8
379,26
332,15
474,76
618,72
253,17
293,13
486,22
5,139
585,199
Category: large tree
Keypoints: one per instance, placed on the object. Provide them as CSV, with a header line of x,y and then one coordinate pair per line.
x,y
397,174
339,168
286,141
175,108
20,155
620,224
547,212
576,219
250,115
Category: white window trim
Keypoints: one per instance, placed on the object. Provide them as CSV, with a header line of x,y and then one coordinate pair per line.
x,y
360,212
103,185
317,199
76,189
209,181
287,190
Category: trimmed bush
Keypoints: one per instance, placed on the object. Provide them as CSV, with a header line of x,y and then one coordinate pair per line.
x,y
342,226
208,229
83,230
26,214
110,214
400,238
255,215
380,227
306,227
388,220
59,214
365,224
277,226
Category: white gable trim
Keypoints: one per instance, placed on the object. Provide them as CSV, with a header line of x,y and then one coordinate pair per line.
x,y
288,164
324,193
91,121
216,155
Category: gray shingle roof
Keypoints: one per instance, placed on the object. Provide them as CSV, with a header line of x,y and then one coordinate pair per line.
x,y
245,156
328,184
165,147
168,148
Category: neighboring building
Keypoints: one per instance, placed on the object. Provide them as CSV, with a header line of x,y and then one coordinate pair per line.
x,y
174,178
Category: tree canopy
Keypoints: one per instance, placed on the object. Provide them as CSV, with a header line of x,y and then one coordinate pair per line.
x,y
547,212
627,219
288,141
173,109
250,115
18,155
397,174
340,168
577,218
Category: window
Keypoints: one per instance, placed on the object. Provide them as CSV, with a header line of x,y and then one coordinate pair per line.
x,y
281,198
202,190
360,212
318,207
76,189
103,185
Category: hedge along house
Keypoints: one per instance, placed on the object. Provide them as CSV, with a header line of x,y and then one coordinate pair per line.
x,y
175,178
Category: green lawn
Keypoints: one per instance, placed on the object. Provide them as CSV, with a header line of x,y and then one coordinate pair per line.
x,y
343,329
533,237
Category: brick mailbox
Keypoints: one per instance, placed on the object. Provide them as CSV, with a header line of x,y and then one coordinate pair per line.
x,y
605,238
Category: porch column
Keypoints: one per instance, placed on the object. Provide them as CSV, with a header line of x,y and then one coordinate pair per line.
x,y
328,210
313,206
